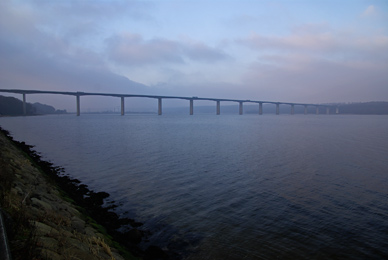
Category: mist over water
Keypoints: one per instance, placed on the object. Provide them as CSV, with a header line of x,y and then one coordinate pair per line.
x,y
230,186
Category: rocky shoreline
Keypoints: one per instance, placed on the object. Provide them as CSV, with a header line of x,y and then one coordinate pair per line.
x,y
49,215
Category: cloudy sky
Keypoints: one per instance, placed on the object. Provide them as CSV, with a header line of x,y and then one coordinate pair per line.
x,y
292,50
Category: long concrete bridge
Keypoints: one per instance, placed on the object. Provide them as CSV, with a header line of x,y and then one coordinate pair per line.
x,y
160,98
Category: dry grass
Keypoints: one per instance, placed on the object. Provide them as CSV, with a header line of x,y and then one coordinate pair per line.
x,y
100,244
59,220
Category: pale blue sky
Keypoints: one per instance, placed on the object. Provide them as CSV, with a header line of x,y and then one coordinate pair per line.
x,y
296,51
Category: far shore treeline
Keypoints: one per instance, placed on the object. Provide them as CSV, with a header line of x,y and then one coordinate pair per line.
x,y
10,106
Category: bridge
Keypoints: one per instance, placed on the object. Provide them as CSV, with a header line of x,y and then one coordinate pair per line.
x,y
160,98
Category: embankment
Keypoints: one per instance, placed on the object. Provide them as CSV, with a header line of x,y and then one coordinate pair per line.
x,y
49,215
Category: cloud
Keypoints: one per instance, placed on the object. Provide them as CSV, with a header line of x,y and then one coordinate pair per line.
x,y
369,11
318,41
317,80
133,50
311,42
200,52
79,22
91,10
306,37
32,58
27,67
318,63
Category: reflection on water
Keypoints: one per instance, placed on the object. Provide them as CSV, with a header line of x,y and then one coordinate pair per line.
x,y
233,187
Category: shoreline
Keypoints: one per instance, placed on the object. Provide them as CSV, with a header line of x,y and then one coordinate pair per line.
x,y
88,203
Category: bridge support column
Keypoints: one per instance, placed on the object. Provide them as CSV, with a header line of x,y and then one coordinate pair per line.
x,y
260,108
317,110
277,109
78,105
337,110
159,106
327,110
191,107
305,109
218,107
292,109
240,108
122,106
24,105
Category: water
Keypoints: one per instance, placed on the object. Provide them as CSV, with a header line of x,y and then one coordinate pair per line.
x,y
233,187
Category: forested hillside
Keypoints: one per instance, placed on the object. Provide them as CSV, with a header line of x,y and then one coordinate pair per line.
x,y
10,106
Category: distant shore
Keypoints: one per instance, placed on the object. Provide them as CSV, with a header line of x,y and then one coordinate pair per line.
x,y
57,215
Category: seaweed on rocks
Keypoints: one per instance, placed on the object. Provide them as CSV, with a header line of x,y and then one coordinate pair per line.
x,y
90,203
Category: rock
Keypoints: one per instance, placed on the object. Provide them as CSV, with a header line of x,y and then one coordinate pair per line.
x,y
78,224
75,243
44,230
75,253
49,254
48,243
90,232
71,210
40,204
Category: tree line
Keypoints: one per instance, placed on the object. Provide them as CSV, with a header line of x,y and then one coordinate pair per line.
x,y
10,106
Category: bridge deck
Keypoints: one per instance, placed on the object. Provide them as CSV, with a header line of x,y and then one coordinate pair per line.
x,y
78,94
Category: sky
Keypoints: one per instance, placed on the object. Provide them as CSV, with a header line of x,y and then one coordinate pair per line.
x,y
320,51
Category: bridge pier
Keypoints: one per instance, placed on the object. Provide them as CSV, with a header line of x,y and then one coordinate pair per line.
x,y
24,105
159,106
78,94
191,107
122,106
78,105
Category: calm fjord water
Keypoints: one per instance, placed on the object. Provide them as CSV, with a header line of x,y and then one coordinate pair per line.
x,y
229,186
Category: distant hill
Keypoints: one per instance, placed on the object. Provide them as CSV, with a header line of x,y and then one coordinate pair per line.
x,y
13,107
366,108
42,109
10,106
